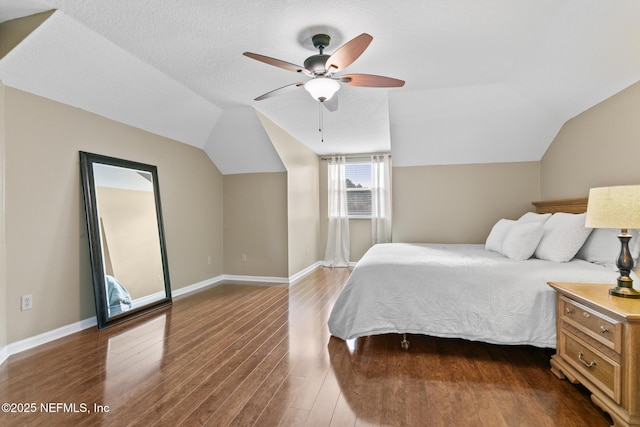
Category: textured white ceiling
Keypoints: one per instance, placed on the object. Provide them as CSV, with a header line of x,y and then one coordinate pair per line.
x,y
487,80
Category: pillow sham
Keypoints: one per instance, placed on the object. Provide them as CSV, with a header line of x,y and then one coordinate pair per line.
x,y
522,240
534,217
603,246
564,235
497,235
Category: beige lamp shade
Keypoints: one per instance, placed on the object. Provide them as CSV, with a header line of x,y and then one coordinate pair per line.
x,y
614,207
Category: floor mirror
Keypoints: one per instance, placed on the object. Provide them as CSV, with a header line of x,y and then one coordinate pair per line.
x,y
126,238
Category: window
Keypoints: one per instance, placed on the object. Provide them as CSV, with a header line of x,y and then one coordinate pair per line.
x,y
358,177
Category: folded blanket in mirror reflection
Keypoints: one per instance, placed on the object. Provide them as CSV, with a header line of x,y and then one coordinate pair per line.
x,y
117,295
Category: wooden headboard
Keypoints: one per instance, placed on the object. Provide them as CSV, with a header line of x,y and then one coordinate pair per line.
x,y
575,205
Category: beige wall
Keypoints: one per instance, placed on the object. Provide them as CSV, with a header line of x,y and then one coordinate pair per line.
x,y
255,224
46,238
599,147
460,203
303,196
3,255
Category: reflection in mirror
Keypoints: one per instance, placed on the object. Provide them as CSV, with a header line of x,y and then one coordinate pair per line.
x,y
126,239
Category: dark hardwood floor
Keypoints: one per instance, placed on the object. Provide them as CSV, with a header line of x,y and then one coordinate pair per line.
x,y
262,355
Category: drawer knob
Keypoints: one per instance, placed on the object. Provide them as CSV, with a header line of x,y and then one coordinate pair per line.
x,y
585,314
568,310
584,362
604,329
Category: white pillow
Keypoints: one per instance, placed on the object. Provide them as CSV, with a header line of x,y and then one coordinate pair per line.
x,y
522,240
603,246
497,235
564,235
534,217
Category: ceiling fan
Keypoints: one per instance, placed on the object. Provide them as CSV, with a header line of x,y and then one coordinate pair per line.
x,y
322,67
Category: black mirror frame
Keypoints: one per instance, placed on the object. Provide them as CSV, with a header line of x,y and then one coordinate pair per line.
x,y
87,160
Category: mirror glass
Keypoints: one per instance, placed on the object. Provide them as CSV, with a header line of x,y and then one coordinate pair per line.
x,y
126,238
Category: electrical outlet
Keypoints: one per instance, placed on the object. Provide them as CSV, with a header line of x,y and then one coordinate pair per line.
x,y
26,302
209,260
244,257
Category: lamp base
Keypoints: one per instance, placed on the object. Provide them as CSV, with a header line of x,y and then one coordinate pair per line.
x,y
624,291
624,263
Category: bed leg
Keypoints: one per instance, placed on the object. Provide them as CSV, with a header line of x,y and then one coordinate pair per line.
x,y
404,343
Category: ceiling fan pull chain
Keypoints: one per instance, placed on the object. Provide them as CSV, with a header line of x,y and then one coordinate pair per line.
x,y
321,121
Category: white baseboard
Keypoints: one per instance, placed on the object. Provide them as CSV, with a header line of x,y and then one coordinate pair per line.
x,y
31,342
274,280
27,343
4,354
197,286
256,279
300,274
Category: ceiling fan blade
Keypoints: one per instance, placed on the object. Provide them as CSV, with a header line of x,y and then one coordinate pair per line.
x,y
331,104
275,62
370,80
279,91
348,53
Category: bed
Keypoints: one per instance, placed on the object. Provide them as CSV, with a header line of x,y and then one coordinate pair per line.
x,y
468,291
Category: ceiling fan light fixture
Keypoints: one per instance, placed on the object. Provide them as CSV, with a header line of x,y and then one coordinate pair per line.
x,y
322,88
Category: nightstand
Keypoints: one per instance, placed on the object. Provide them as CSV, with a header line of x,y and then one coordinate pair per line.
x,y
597,345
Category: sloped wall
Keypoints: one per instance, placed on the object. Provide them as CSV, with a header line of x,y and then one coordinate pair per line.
x,y
599,147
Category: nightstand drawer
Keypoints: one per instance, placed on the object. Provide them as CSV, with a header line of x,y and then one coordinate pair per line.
x,y
593,365
604,329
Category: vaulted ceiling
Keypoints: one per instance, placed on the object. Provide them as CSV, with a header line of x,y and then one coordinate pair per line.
x,y
486,80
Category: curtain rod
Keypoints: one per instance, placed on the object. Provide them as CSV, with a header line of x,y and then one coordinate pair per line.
x,y
366,156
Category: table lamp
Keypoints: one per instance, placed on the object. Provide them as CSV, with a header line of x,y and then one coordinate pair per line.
x,y
617,207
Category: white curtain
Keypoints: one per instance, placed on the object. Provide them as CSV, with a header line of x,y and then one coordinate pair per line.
x,y
337,252
381,198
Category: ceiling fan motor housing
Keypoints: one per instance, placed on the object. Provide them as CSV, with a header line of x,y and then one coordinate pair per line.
x,y
316,64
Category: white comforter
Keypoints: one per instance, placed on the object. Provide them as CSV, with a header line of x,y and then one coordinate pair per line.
x,y
455,290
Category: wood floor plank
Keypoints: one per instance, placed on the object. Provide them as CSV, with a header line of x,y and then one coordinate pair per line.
x,y
294,417
278,408
325,403
254,407
248,355
343,415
